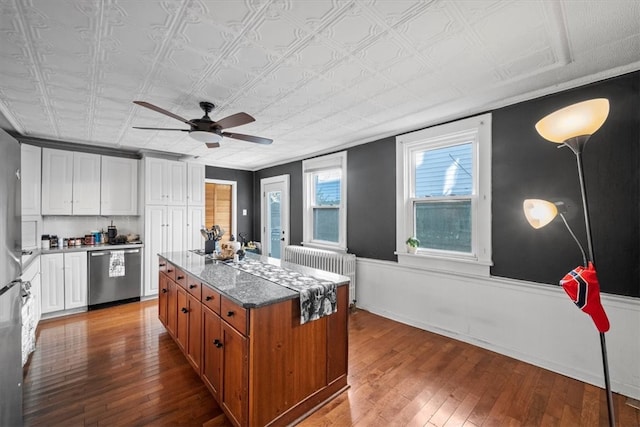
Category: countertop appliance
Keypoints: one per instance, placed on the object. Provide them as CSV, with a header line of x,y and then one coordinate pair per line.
x,y
115,276
10,285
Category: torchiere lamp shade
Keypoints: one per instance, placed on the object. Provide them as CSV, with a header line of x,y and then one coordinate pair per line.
x,y
539,212
581,119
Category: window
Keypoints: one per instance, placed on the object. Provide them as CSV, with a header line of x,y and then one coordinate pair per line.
x,y
444,196
324,189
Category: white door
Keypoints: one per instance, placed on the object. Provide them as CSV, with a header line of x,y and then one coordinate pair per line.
x,y
275,215
119,186
195,184
57,182
52,282
155,232
86,184
75,279
177,173
195,221
176,228
31,180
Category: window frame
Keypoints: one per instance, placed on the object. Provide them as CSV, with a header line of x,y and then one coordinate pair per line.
x,y
476,130
309,168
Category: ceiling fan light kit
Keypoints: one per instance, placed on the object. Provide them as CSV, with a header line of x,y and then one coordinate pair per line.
x,y
206,130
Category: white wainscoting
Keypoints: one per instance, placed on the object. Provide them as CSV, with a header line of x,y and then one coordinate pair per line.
x,y
527,321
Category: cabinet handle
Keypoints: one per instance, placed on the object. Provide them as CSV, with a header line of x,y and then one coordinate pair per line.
x,y
162,264
217,343
208,298
164,291
184,310
179,277
230,313
193,286
169,270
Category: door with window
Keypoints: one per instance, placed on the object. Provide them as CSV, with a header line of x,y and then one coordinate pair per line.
x,y
220,206
275,215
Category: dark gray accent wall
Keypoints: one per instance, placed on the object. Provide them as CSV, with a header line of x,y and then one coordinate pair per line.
x,y
371,198
527,166
245,191
294,170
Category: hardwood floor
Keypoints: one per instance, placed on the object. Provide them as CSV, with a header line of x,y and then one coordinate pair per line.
x,y
118,366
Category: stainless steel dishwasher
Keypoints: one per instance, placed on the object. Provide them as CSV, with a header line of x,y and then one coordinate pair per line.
x,y
114,276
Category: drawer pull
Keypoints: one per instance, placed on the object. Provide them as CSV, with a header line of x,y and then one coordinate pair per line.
x,y
230,313
162,264
193,286
217,343
184,310
169,270
179,277
164,291
208,298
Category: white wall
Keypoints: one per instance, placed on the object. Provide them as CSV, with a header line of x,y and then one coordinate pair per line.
x,y
528,321
78,226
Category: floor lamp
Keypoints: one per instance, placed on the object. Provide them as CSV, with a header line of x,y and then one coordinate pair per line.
x,y
572,127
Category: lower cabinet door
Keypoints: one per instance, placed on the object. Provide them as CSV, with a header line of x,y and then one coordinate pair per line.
x,y
172,307
182,328
234,390
194,338
163,296
212,351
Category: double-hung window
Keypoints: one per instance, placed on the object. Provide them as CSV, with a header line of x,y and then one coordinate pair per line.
x,y
444,196
324,189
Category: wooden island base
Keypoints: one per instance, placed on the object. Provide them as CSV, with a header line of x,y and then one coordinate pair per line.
x,y
261,365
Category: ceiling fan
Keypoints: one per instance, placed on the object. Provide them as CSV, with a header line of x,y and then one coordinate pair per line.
x,y
206,130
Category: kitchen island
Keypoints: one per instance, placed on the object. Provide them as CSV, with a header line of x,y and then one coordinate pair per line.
x,y
243,335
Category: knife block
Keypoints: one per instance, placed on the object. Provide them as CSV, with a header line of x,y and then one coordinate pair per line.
x,y
209,246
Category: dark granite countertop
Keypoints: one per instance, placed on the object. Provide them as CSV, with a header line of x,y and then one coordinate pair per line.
x,y
243,288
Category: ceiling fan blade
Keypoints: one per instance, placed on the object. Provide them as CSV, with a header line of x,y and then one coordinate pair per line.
x,y
162,111
182,130
213,144
234,120
250,138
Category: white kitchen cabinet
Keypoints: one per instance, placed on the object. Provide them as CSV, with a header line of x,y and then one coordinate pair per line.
x,y
75,280
57,182
86,184
63,281
195,221
52,282
164,232
31,178
119,186
70,183
165,182
195,184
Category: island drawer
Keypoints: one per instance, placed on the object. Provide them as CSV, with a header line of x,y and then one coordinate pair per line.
x,y
234,315
211,299
168,268
194,287
181,278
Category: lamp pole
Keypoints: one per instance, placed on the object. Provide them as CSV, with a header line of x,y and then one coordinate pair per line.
x,y
576,145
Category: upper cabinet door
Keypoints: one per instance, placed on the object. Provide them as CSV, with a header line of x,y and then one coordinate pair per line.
x,y
177,185
86,184
165,182
57,182
31,179
119,186
155,178
195,184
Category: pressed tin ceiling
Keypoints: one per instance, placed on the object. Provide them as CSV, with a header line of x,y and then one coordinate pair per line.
x,y
316,75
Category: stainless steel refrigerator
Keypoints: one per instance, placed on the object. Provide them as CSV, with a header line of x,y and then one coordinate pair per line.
x,y
10,285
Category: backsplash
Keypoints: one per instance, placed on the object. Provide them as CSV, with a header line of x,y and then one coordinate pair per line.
x,y
78,226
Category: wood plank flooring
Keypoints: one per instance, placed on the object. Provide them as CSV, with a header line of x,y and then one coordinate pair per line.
x,y
118,366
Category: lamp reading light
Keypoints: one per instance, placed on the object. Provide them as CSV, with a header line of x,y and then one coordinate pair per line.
x,y
578,120
539,212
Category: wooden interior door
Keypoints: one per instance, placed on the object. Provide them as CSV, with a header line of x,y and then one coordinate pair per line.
x,y
218,207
